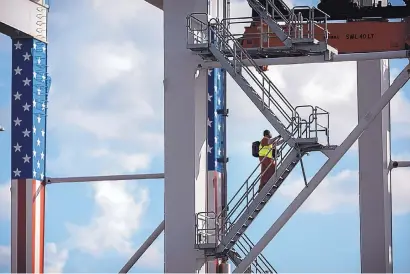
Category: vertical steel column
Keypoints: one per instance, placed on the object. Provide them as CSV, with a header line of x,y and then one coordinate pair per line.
x,y
28,135
185,99
373,79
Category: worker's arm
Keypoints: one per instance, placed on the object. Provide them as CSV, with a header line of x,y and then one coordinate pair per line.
x,y
275,140
279,142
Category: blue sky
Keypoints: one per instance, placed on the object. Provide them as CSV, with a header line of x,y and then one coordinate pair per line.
x,y
106,111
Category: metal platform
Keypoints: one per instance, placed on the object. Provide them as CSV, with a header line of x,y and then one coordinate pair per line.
x,y
260,53
270,57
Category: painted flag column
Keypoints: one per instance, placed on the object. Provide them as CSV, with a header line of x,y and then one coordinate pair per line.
x,y
216,127
30,86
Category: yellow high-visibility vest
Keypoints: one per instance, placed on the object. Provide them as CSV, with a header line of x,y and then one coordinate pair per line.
x,y
265,151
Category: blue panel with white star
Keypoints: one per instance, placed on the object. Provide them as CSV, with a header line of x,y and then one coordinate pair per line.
x,y
30,86
216,126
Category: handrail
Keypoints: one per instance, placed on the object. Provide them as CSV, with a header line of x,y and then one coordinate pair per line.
x,y
249,192
243,54
246,247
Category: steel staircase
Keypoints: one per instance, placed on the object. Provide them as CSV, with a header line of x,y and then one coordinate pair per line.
x,y
220,235
292,33
242,248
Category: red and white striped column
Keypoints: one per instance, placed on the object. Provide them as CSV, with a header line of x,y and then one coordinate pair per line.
x,y
30,86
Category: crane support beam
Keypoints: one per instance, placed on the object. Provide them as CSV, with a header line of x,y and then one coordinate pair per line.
x,y
364,122
19,17
400,54
156,3
350,37
144,247
50,180
396,164
373,79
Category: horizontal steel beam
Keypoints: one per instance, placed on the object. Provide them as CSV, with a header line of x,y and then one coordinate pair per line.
x,y
395,164
50,180
156,3
144,247
319,59
19,17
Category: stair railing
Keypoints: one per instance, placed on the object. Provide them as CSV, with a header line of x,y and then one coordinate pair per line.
x,y
227,43
207,229
260,264
247,192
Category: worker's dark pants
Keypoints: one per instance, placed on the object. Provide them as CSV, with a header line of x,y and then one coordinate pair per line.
x,y
267,170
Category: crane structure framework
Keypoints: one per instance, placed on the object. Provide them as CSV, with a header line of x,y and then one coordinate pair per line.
x,y
200,51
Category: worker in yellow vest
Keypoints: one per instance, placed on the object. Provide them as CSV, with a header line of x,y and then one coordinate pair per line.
x,y
267,149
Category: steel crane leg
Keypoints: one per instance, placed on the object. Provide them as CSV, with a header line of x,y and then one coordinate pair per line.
x,y
398,83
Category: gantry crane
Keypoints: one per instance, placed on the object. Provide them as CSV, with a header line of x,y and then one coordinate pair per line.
x,y
280,31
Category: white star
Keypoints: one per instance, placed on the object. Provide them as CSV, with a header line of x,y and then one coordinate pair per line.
x,y
43,78
41,176
26,56
34,153
34,74
17,122
44,49
34,173
38,91
216,89
209,97
209,148
26,133
215,113
219,101
209,122
38,142
38,164
38,119
209,72
219,76
43,106
42,156
26,159
17,70
34,130
34,103
38,60
26,82
26,107
18,45
17,96
216,139
42,133
219,152
17,147
219,126
17,172
34,45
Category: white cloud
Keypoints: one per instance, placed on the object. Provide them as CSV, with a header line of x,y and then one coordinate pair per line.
x,y
341,191
107,106
5,254
119,211
55,258
5,201
335,192
401,190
